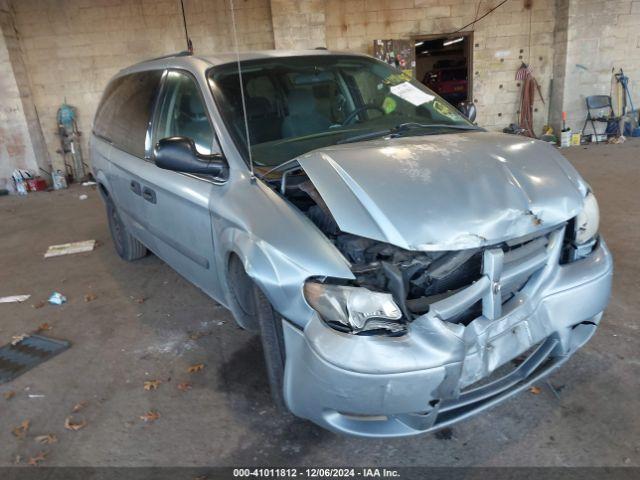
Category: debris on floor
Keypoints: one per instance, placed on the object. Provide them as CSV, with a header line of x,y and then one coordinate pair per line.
x,y
84,196
40,457
47,439
79,406
151,384
71,424
57,298
14,299
27,352
89,297
535,390
70,248
21,430
196,368
150,416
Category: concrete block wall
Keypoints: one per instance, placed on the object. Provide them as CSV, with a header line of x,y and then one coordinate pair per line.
x,y
18,122
57,49
73,47
601,36
298,24
501,42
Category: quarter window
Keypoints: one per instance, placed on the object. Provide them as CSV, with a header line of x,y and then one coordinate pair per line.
x,y
183,113
125,110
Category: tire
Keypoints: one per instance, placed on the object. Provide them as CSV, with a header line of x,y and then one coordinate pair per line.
x,y
126,245
257,314
273,346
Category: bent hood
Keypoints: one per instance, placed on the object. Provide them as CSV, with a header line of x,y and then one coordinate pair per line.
x,y
445,192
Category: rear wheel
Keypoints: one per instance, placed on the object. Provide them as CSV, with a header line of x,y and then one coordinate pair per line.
x,y
127,246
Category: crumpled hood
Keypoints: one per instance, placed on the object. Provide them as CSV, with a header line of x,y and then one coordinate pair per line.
x,y
445,192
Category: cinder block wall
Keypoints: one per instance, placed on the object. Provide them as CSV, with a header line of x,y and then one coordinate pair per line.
x,y
601,36
501,42
72,47
17,114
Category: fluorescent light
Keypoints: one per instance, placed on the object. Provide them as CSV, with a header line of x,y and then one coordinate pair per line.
x,y
451,42
419,43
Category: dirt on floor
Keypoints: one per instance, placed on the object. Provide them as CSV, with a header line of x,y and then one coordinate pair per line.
x,y
131,323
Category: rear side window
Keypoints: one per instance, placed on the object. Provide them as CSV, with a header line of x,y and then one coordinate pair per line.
x,y
125,111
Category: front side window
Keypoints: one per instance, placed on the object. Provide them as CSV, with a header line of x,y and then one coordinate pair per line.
x,y
183,113
125,110
297,104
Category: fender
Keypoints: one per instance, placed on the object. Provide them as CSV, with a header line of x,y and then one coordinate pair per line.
x,y
279,277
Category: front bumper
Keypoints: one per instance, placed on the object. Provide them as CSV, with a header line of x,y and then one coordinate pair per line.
x,y
375,386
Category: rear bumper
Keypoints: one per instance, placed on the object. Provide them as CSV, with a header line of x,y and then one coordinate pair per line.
x,y
423,381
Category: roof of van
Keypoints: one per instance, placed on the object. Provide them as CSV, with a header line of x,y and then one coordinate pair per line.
x,y
183,59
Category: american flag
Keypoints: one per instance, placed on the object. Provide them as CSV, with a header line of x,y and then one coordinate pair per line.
x,y
524,71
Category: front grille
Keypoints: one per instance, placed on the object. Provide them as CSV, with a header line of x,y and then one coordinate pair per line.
x,y
520,261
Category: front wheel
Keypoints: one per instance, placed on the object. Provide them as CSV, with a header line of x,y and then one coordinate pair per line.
x,y
127,246
270,324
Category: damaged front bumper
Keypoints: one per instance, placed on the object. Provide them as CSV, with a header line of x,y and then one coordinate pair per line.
x,y
438,373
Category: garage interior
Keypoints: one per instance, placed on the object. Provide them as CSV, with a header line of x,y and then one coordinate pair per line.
x,y
134,323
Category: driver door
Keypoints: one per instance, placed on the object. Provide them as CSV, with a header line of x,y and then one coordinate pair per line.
x,y
177,204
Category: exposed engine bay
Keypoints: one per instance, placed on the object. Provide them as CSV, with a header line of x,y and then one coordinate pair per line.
x,y
415,279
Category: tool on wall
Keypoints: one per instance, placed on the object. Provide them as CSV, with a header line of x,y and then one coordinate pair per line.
x,y
70,142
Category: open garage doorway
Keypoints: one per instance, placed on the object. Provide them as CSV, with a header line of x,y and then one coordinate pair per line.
x,y
443,63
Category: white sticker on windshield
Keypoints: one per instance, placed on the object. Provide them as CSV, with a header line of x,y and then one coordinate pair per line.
x,y
411,94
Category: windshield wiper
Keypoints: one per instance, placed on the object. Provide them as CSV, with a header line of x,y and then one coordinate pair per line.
x,y
398,130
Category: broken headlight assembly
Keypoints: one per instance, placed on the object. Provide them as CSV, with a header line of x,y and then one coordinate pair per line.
x,y
588,220
582,234
355,310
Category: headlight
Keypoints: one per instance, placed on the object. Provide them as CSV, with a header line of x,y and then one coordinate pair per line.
x,y
588,220
356,308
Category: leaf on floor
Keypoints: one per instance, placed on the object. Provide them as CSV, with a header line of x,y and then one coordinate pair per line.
x,y
184,386
9,395
150,416
151,384
89,297
198,367
79,406
47,439
39,304
21,430
535,390
43,327
70,424
40,457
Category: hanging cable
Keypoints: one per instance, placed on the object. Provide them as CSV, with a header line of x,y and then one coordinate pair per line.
x,y
244,106
476,20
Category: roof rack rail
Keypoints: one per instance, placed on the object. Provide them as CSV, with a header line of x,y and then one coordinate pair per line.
x,y
184,53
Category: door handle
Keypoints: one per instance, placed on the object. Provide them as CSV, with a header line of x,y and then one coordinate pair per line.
x,y
149,195
135,187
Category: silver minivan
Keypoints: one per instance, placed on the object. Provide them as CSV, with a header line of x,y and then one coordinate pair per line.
x,y
405,268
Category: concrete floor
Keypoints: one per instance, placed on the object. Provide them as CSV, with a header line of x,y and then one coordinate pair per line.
x,y
227,418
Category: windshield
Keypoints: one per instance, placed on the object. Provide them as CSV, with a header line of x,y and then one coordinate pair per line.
x,y
297,104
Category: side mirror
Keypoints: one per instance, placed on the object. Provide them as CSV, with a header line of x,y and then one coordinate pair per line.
x,y
180,155
468,109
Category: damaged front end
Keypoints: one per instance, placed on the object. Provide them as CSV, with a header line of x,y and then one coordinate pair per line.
x,y
419,339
